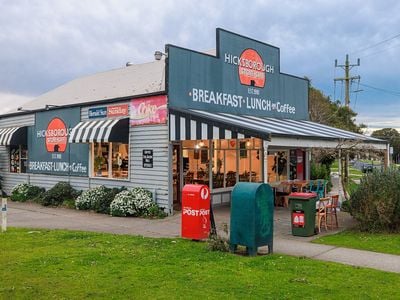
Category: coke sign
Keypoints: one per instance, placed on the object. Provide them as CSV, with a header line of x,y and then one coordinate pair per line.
x,y
149,110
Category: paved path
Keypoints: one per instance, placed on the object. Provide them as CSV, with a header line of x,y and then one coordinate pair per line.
x,y
35,216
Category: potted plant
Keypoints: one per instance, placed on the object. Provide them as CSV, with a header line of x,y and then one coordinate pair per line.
x,y
98,163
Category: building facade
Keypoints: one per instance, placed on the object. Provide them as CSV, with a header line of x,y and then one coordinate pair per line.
x,y
214,119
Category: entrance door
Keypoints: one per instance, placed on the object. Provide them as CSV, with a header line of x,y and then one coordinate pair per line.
x,y
176,177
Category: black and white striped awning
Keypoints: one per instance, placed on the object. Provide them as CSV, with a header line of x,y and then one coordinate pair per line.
x,y
13,136
110,130
196,126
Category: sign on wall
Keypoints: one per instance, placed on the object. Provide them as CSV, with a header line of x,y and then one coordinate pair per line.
x,y
148,158
149,110
110,111
243,78
49,150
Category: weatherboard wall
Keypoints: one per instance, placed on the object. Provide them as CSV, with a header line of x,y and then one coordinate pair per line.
x,y
155,179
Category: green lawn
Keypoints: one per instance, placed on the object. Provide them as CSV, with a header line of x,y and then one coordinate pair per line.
x,y
385,243
43,264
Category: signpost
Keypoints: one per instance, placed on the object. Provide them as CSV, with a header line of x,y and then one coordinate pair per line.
x,y
3,214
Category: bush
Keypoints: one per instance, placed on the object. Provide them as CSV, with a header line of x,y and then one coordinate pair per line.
x,y
375,204
134,202
123,205
59,193
97,199
25,191
156,212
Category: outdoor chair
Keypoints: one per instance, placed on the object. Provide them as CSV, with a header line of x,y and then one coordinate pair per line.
x,y
318,186
331,211
321,213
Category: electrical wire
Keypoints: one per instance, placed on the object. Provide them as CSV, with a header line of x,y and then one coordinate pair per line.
x,y
395,93
378,52
377,44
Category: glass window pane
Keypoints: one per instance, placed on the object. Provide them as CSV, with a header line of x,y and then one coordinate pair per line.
x,y
100,159
244,166
218,169
255,175
230,166
120,159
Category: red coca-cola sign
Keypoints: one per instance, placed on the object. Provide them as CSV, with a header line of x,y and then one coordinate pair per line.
x,y
149,110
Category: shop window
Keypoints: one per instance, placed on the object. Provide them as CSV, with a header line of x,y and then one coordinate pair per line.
x,y
196,165
18,159
277,166
110,160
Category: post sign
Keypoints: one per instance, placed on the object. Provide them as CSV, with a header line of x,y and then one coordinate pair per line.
x,y
149,110
147,158
49,150
244,78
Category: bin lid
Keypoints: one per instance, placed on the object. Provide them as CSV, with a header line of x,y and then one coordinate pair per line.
x,y
303,195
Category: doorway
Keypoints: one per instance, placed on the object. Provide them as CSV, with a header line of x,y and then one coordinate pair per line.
x,y
176,177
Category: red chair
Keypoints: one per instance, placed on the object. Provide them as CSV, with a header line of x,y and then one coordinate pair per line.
x,y
331,211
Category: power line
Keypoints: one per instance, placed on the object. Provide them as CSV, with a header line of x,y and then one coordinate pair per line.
x,y
377,44
395,93
383,50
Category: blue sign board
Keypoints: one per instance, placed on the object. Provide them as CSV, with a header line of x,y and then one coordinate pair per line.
x,y
97,112
243,78
49,149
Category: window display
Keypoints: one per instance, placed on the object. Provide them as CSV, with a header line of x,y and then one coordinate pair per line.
x,y
110,160
18,159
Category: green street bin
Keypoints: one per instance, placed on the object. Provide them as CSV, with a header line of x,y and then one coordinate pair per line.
x,y
252,217
302,209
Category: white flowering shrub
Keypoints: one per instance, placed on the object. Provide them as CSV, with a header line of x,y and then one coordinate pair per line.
x,y
96,199
134,202
25,191
123,205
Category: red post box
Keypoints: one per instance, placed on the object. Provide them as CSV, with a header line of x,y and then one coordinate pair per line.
x,y
195,211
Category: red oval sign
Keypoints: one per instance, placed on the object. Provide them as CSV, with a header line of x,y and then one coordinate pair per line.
x,y
251,69
56,136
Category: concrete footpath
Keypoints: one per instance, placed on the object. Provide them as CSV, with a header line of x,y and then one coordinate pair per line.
x,y
35,216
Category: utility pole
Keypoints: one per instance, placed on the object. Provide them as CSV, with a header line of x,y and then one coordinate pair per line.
x,y
347,79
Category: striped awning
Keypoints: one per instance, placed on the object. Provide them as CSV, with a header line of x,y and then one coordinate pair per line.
x,y
197,126
110,130
13,136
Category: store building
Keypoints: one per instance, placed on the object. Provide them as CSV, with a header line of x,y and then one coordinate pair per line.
x,y
190,117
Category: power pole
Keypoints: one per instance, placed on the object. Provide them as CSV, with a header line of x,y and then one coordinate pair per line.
x,y
347,79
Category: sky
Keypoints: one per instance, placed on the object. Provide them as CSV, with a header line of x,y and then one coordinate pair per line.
x,y
44,43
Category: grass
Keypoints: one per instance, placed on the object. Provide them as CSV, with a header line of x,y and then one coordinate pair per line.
x,y
384,243
42,264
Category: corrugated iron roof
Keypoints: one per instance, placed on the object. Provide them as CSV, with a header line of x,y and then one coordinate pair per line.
x,y
134,80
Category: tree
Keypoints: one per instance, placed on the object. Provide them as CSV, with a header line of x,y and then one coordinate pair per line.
x,y
332,113
392,136
324,111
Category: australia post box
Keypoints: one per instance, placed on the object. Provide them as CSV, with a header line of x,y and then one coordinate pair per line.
x,y
195,211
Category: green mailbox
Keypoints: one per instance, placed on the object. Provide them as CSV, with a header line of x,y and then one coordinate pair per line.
x,y
252,217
